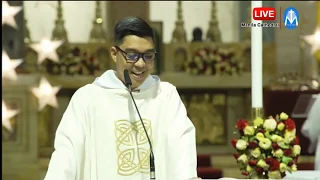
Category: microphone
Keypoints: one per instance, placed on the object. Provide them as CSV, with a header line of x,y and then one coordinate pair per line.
x,y
128,84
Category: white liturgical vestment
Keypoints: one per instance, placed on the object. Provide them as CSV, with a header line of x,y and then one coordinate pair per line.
x,y
100,136
311,129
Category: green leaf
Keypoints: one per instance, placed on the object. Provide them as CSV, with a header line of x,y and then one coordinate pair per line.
x,y
267,134
286,159
245,138
284,145
252,138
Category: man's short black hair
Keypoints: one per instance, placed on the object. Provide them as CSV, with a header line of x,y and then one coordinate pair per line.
x,y
131,26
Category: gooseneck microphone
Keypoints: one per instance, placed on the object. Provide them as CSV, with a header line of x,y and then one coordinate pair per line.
x,y
128,83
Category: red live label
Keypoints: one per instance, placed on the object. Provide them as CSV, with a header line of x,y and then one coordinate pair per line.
x,y
264,13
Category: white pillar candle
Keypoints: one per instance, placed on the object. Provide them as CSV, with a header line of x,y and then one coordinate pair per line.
x,y
256,60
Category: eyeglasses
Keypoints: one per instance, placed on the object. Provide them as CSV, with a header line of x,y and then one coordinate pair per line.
x,y
135,56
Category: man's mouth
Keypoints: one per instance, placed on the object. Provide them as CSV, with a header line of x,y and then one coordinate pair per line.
x,y
138,75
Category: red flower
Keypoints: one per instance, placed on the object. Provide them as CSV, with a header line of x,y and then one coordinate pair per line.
x,y
269,160
236,155
241,124
245,173
253,145
234,142
290,163
295,160
283,174
295,141
253,162
287,152
261,131
259,170
275,146
290,124
275,165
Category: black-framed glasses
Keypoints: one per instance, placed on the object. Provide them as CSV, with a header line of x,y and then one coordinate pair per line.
x,y
133,56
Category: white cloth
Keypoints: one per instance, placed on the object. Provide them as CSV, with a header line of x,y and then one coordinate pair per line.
x,y
311,129
100,136
302,175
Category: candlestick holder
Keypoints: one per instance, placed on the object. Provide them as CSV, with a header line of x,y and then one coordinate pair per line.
x,y
256,113
179,33
97,34
213,33
59,31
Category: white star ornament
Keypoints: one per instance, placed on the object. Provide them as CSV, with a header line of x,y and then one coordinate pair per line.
x,y
47,49
314,40
8,66
46,94
7,114
8,14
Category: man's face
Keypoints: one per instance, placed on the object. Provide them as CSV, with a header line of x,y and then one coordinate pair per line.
x,y
139,69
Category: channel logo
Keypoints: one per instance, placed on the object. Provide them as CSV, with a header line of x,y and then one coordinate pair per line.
x,y
291,18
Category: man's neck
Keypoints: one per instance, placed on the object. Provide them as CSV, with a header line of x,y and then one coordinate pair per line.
x,y
134,89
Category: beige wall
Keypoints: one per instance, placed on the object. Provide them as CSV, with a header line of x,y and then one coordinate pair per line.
x,y
79,15
78,18
197,14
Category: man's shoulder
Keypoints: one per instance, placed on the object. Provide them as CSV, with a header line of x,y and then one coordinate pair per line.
x,y
167,86
85,90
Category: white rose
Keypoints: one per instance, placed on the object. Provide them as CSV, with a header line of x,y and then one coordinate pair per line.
x,y
289,135
294,168
274,175
265,143
243,159
270,124
249,168
296,150
284,116
283,167
278,153
276,138
259,136
248,130
261,163
241,144
256,152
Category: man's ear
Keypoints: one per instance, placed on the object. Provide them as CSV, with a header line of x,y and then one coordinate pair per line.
x,y
113,53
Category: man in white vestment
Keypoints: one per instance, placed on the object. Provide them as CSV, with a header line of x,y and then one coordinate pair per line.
x,y
311,129
101,137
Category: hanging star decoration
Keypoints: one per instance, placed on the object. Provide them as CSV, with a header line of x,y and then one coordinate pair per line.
x,y
7,114
314,40
47,49
8,66
46,94
8,13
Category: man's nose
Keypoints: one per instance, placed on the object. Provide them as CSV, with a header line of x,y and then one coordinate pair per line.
x,y
140,63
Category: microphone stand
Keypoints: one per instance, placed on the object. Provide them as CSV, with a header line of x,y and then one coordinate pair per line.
x,y
152,165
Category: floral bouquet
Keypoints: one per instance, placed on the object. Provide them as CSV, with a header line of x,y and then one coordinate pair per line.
x,y
214,61
268,148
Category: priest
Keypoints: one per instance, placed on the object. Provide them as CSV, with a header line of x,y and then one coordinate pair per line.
x,y
311,129
101,136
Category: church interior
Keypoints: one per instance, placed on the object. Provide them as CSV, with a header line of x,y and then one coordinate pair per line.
x,y
39,82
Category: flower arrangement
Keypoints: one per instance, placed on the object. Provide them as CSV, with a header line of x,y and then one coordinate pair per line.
x,y
216,61
268,148
74,62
